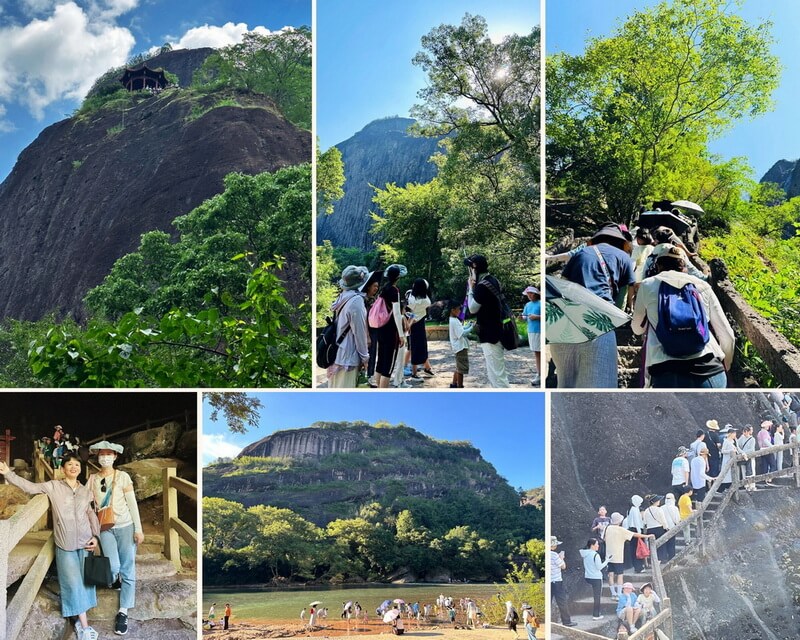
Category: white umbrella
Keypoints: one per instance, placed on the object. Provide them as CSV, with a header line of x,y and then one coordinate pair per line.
x,y
688,205
315,603
399,601
390,615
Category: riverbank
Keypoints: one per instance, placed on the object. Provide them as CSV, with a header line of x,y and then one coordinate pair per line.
x,y
253,630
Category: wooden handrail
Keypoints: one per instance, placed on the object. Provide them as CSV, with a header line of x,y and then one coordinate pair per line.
x,y
174,527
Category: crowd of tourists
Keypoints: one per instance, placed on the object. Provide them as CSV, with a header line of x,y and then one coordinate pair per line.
x,y
688,342
377,335
619,543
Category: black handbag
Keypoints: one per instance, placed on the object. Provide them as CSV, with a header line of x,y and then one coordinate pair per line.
x,y
97,570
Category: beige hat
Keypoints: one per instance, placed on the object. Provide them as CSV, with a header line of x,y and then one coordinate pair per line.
x,y
713,425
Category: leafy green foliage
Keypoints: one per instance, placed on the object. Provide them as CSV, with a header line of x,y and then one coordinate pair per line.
x,y
198,110
484,97
277,65
330,179
631,117
327,274
261,343
240,411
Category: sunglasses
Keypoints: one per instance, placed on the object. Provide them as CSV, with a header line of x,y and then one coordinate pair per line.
x,y
103,485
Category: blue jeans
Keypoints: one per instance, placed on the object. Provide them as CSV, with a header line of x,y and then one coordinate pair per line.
x,y
684,381
119,548
76,597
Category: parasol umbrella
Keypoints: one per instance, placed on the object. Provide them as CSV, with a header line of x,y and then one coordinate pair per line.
x,y
675,221
316,603
573,314
399,601
688,205
390,615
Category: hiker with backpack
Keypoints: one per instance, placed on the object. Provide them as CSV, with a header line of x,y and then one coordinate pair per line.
x,y
385,315
604,267
350,318
485,300
689,341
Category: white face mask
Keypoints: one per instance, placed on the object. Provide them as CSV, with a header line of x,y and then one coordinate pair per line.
x,y
105,461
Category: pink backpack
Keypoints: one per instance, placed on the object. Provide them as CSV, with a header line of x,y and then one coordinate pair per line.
x,y
379,314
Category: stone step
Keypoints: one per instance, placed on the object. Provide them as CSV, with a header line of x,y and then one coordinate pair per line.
x,y
173,629
605,627
627,378
169,597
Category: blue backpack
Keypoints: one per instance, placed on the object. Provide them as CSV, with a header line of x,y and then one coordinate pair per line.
x,y
682,327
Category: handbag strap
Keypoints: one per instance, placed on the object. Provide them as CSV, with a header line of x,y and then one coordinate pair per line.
x,y
606,272
107,498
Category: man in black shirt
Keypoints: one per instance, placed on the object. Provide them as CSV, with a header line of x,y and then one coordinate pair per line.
x,y
483,298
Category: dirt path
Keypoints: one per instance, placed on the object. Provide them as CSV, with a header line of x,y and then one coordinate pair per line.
x,y
519,365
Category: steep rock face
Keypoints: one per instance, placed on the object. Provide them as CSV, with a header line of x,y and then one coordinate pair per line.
x,y
380,153
607,447
84,191
315,442
327,471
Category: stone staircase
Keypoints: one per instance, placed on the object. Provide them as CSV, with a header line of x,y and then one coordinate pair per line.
x,y
166,599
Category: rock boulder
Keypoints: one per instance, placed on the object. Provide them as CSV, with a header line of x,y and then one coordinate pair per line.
x,y
154,443
147,475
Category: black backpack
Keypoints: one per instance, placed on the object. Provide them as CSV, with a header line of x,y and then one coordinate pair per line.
x,y
327,344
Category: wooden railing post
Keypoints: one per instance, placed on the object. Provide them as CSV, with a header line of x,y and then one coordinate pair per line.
x,y
667,605
796,463
172,550
5,551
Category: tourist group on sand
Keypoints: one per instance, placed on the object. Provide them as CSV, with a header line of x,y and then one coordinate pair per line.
x,y
100,516
376,336
618,542
688,342
463,613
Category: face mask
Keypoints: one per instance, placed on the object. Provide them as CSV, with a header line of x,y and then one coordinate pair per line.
x,y
105,461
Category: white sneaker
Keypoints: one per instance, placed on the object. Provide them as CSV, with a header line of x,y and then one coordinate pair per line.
x,y
89,634
597,617
633,628
79,630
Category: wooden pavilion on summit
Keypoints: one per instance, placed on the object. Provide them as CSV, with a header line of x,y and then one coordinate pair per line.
x,y
143,78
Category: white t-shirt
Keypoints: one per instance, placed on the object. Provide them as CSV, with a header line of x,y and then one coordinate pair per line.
x,y
616,537
458,339
680,467
122,515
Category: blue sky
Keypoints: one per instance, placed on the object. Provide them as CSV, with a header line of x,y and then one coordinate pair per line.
x,y
364,52
508,428
52,50
762,141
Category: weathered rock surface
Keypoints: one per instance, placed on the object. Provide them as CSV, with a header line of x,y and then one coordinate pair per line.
x,y
10,499
380,153
607,447
187,446
83,192
158,442
147,475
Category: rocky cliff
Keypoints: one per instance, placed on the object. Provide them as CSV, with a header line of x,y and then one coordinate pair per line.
x,y
329,470
607,447
785,173
382,152
84,191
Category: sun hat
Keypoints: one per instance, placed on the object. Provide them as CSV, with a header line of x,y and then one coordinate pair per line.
x,y
611,231
58,427
616,518
656,498
374,276
645,585
105,444
627,585
353,277
766,424
667,250
530,290
713,425
554,541
682,450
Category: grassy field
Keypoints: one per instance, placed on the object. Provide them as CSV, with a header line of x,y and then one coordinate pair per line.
x,y
265,606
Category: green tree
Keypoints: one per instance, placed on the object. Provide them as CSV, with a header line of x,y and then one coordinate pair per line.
x,y
327,274
241,411
226,524
284,542
330,179
652,95
277,65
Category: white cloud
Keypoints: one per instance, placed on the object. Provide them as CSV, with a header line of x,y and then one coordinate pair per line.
x,y
59,57
5,125
217,37
215,446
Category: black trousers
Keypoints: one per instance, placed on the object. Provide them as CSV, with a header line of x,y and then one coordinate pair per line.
x,y
559,593
597,590
225,622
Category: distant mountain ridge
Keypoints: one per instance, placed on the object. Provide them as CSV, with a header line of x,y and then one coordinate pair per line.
x,y
81,195
382,152
785,173
330,470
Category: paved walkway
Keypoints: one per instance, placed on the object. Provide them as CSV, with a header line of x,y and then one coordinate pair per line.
x,y
519,365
